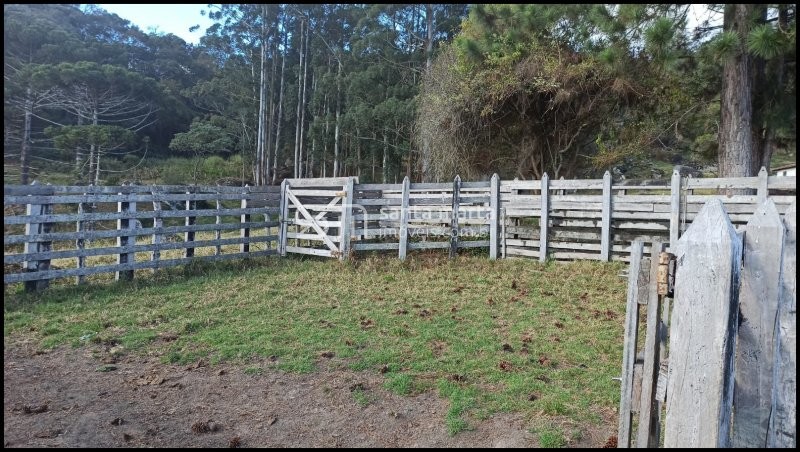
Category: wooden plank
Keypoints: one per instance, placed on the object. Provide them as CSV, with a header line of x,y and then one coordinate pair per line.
x,y
245,231
762,192
629,346
158,225
503,232
375,246
702,334
319,182
217,232
134,197
108,216
494,218
80,244
284,218
782,182
124,241
675,208
543,219
402,249
454,217
113,233
473,243
191,206
114,250
605,234
431,186
333,193
163,263
428,245
310,251
20,190
314,237
380,187
347,214
721,183
647,433
783,426
512,251
758,307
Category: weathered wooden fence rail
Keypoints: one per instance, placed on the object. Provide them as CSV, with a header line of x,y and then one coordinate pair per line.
x,y
729,378
63,223
547,219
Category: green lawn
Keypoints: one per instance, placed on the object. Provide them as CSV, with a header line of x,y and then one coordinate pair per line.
x,y
512,335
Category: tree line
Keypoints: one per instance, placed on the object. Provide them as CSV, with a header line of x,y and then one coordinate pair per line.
x,y
387,91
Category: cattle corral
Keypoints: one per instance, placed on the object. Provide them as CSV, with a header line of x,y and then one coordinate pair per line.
x,y
559,219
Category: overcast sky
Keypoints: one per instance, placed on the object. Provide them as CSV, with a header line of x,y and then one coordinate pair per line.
x,y
175,19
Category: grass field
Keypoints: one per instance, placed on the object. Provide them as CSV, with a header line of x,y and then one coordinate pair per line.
x,y
542,340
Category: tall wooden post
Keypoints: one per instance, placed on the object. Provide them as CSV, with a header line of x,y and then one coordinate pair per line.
x,y
703,332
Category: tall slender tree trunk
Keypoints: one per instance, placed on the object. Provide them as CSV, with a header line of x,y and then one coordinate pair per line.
x,y
279,120
324,160
94,153
271,117
299,100
736,158
336,128
385,156
79,155
303,106
25,147
260,176
426,145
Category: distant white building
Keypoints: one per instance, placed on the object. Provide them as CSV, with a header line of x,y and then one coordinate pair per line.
x,y
786,170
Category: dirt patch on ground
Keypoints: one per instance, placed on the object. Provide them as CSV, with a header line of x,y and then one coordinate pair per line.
x,y
69,398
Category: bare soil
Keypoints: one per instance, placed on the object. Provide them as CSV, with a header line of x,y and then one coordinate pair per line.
x,y
67,397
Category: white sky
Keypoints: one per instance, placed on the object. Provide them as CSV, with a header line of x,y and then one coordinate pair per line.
x,y
175,19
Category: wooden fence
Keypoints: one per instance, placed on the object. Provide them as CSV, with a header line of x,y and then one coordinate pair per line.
x,y
558,219
728,375
68,223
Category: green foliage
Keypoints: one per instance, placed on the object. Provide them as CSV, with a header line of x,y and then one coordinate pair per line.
x,y
203,137
766,41
105,137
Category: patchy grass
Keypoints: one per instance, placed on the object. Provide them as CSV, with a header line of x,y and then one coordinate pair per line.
x,y
542,340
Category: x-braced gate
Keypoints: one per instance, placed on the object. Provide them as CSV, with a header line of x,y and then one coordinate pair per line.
x,y
317,216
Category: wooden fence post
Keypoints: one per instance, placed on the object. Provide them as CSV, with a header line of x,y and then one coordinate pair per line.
x,y
629,344
783,426
80,243
404,213
217,232
245,218
605,234
190,221
763,190
32,230
675,209
158,223
703,332
648,432
125,241
454,232
503,232
494,216
284,219
758,306
346,219
543,220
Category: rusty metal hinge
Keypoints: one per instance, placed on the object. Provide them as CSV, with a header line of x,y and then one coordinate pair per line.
x,y
666,274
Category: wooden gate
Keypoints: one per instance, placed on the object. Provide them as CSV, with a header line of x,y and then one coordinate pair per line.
x,y
316,216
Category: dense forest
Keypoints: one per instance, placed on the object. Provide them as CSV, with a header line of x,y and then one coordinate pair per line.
x,y
384,91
